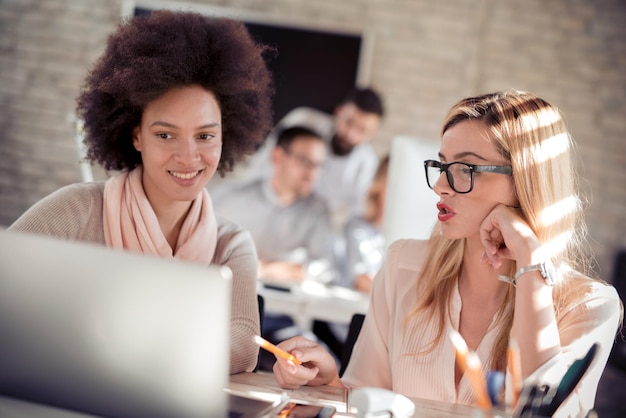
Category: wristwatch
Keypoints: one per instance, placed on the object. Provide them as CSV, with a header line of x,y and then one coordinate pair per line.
x,y
546,268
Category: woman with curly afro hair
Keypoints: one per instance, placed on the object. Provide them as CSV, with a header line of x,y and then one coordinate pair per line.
x,y
175,97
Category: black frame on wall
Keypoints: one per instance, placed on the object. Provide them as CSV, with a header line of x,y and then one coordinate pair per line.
x,y
313,67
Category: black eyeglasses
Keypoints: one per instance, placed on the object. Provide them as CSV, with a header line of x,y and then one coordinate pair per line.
x,y
460,176
304,161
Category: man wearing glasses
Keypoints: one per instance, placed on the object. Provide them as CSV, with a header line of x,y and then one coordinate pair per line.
x,y
289,223
351,159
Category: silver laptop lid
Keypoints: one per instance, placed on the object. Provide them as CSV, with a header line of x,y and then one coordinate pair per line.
x,y
112,333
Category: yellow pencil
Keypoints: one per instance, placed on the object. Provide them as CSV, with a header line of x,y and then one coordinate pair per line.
x,y
275,350
477,379
460,349
470,363
515,369
287,410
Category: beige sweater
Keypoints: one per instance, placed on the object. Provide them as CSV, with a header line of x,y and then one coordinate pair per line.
x,y
589,313
75,212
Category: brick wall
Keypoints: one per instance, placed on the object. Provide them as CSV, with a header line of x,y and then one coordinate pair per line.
x,y
426,55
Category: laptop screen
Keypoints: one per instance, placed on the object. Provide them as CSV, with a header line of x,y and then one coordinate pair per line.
x,y
112,333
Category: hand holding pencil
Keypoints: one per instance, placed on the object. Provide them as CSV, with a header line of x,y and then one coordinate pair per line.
x,y
313,366
275,350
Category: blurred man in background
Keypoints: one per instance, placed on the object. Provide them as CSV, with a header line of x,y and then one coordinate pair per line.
x,y
351,161
290,225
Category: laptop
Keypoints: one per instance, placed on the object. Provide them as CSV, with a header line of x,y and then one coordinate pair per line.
x,y
112,333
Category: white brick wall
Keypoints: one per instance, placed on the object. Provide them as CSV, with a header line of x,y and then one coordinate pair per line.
x,y
427,54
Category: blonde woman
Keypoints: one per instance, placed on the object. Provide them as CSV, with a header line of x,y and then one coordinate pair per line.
x,y
504,262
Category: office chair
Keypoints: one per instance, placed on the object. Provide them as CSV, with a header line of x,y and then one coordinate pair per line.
x,y
261,303
353,332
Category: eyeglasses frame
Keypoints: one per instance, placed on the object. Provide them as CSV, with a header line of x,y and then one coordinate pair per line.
x,y
303,160
474,168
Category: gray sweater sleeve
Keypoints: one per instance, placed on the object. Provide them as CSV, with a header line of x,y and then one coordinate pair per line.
x,y
72,212
236,250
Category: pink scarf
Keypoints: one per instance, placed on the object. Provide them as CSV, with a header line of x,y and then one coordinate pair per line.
x,y
131,224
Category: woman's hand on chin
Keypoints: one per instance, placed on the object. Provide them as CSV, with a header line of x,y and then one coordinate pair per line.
x,y
504,234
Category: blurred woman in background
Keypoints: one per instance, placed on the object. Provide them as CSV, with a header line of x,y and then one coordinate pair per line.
x,y
365,242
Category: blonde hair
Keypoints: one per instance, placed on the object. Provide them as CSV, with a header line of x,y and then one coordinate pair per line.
x,y
532,137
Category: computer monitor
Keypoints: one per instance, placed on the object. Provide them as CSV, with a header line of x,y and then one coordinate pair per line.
x,y
112,333
315,64
410,205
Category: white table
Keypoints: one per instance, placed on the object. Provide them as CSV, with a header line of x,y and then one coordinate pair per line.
x,y
310,300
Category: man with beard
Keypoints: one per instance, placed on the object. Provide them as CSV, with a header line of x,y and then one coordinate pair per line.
x,y
351,162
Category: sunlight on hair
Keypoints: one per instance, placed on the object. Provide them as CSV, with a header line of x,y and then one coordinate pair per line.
x,y
542,118
553,213
547,117
552,147
555,246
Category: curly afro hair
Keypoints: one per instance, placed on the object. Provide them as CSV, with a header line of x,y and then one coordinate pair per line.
x,y
150,54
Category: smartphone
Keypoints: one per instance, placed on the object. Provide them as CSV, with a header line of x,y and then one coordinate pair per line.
x,y
304,410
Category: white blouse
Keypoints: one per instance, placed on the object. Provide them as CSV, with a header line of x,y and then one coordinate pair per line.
x,y
382,355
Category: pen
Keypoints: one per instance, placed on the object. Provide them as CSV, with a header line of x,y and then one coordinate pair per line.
x,y
275,350
569,382
495,383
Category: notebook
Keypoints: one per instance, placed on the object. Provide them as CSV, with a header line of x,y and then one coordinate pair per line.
x,y
112,333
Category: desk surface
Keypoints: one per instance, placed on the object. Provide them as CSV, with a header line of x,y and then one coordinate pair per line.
x,y
263,386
